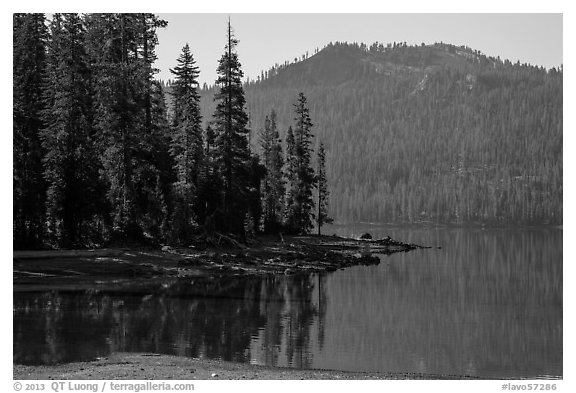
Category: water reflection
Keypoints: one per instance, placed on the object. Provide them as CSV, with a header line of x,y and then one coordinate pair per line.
x,y
489,303
207,318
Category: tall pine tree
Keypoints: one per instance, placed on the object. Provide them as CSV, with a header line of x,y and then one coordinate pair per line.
x,y
232,153
187,145
70,162
300,204
273,187
153,153
29,60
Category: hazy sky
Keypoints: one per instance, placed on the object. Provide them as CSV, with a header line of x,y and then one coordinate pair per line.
x,y
266,39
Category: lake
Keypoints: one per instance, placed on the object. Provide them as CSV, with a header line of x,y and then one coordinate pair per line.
x,y
488,303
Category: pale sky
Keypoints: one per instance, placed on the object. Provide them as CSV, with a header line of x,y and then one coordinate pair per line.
x,y
266,39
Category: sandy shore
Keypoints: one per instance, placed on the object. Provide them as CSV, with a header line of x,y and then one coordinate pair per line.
x,y
142,366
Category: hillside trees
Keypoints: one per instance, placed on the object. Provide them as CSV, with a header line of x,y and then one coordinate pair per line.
x,y
452,136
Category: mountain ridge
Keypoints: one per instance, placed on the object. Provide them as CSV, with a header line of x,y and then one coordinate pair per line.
x,y
425,133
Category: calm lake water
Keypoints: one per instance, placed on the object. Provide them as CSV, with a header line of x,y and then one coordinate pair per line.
x,y
488,303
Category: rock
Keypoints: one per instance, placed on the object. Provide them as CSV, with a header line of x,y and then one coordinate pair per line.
x,y
166,248
366,236
368,260
214,375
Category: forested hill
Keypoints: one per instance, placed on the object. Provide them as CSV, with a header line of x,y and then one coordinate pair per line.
x,y
424,133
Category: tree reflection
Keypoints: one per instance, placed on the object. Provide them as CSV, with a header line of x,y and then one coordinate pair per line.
x,y
207,318
300,314
488,303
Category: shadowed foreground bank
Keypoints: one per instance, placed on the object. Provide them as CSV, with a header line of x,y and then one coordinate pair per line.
x,y
140,366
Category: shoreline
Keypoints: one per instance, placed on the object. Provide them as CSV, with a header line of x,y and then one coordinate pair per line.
x,y
84,269
149,366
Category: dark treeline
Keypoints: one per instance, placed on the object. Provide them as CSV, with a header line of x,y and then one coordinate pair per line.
x,y
435,133
98,158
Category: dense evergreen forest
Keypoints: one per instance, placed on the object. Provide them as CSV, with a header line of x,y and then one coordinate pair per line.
x,y
430,133
98,158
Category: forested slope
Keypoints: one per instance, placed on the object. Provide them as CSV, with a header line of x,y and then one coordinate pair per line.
x,y
427,133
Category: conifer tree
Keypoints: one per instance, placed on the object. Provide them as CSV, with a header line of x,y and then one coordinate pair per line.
x,y
291,179
111,42
29,59
300,204
210,184
186,145
273,187
148,23
153,157
158,209
323,193
232,154
70,161
254,215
